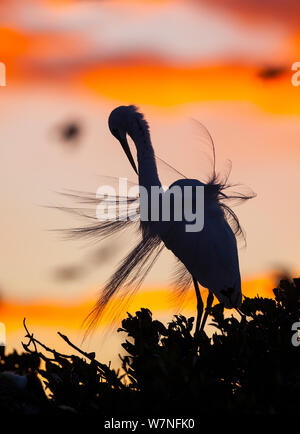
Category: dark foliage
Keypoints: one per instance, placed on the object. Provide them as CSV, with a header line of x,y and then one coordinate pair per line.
x,y
248,366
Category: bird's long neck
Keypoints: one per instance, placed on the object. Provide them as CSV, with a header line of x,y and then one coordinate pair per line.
x,y
148,175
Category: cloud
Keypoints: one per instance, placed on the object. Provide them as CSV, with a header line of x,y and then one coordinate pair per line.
x,y
285,12
173,32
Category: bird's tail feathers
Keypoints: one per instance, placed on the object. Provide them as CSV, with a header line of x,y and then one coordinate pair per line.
x,y
126,280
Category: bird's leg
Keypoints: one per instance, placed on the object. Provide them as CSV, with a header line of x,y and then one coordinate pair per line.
x,y
209,303
199,306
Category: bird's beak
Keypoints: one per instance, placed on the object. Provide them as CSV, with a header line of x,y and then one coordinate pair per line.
x,y
127,151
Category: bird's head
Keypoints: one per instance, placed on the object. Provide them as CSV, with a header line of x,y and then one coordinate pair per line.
x,y
120,123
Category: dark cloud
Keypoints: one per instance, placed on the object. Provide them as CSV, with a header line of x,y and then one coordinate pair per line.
x,y
70,133
271,72
98,257
68,272
102,254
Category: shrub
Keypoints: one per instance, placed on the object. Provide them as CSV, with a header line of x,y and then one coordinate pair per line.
x,y
249,365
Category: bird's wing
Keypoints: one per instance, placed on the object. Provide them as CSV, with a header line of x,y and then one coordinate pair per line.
x,y
133,269
127,279
206,158
96,224
205,154
167,173
209,255
181,281
230,195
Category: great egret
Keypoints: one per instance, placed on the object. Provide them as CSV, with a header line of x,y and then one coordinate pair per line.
x,y
208,257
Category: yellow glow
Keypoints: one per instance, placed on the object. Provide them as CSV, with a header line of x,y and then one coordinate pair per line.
x,y
147,82
72,315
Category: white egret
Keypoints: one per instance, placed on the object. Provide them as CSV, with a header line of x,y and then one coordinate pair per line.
x,y
208,257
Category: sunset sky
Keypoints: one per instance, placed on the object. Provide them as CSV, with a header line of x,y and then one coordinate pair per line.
x,y
74,61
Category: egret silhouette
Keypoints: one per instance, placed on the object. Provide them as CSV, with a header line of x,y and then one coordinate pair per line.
x,y
208,257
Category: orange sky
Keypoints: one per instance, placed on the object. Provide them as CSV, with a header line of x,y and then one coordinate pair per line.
x,y
164,85
60,60
51,312
45,319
